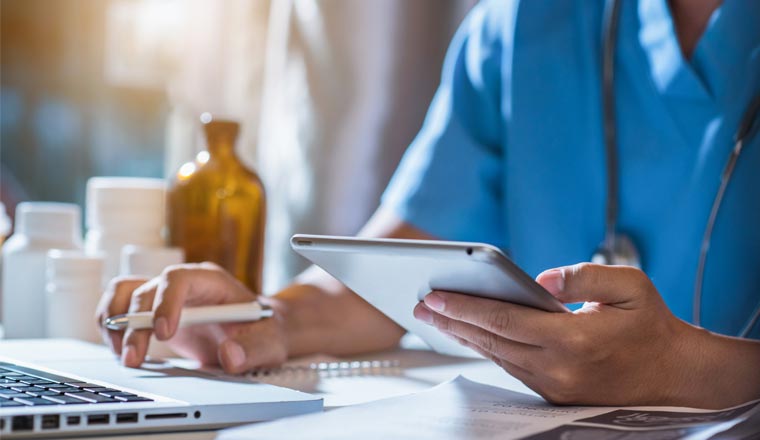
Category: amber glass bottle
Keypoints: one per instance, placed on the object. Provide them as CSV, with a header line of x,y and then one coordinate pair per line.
x,y
217,208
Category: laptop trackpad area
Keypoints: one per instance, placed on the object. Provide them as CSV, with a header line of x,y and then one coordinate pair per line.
x,y
94,363
191,386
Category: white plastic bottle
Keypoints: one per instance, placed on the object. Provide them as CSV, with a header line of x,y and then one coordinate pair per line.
x,y
40,226
5,229
122,211
73,291
148,263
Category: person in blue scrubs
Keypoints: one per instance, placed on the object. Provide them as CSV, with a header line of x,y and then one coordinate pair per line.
x,y
512,154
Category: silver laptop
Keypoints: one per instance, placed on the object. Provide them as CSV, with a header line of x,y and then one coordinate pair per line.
x,y
58,388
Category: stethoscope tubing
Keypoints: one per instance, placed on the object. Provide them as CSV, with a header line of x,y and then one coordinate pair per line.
x,y
747,129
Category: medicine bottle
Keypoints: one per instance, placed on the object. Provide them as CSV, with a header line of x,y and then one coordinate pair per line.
x,y
122,211
73,291
217,208
39,227
148,263
5,230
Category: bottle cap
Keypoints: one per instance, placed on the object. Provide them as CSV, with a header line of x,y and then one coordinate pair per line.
x,y
149,261
63,264
125,202
50,221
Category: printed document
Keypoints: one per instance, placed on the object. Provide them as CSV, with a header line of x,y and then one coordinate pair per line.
x,y
463,409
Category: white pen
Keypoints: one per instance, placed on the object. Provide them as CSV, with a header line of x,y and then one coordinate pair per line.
x,y
237,312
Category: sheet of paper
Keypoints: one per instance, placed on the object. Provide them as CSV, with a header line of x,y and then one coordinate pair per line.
x,y
465,409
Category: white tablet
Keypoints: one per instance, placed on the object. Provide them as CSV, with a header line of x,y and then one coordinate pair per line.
x,y
394,275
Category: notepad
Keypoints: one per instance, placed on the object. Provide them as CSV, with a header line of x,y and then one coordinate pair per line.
x,y
310,374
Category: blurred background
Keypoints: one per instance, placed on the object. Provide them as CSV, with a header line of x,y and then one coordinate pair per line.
x,y
329,94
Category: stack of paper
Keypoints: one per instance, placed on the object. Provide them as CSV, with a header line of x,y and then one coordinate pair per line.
x,y
462,409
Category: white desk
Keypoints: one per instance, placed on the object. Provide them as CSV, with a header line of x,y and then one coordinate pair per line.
x,y
418,369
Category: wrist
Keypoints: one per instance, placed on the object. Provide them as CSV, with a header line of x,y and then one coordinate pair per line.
x,y
304,326
712,370
319,319
687,366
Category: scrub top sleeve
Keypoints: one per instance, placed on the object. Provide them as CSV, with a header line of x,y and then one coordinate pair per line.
x,y
449,182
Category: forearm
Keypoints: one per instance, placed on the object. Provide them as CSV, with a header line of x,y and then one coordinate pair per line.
x,y
720,371
321,315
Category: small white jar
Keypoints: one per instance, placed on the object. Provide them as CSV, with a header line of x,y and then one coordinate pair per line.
x,y
73,291
40,226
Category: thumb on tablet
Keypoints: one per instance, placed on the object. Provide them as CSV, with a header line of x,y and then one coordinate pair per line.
x,y
611,285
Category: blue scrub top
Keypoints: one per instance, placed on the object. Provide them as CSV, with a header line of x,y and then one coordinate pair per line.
x,y
511,152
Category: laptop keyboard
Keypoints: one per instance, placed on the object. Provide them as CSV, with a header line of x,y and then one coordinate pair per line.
x,y
24,386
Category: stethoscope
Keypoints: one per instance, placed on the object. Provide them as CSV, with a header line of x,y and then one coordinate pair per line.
x,y
618,248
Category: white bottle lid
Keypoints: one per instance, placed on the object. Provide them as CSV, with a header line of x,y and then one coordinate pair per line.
x,y
133,203
149,261
64,264
49,221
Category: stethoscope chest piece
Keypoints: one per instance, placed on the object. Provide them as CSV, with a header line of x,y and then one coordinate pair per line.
x,y
619,250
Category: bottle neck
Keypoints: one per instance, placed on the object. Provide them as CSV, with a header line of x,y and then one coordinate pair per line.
x,y
220,138
221,146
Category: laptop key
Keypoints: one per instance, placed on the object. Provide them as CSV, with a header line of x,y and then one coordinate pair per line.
x,y
7,391
25,377
43,393
36,381
92,397
33,401
66,400
30,389
68,390
83,385
105,391
14,395
115,393
133,399
9,403
40,374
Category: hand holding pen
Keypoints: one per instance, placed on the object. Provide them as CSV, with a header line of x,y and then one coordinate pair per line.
x,y
190,294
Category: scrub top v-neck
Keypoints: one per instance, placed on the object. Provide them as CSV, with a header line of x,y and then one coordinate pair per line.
x,y
511,152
